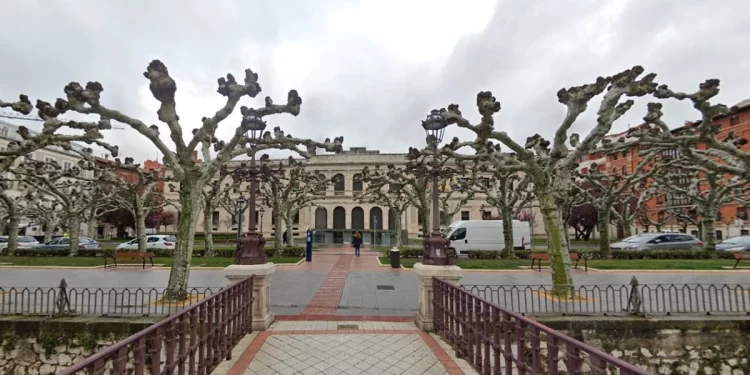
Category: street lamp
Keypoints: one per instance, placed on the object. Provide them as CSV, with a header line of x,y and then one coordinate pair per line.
x,y
252,243
436,245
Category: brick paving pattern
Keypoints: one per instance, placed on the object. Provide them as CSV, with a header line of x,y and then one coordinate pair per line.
x,y
329,347
326,299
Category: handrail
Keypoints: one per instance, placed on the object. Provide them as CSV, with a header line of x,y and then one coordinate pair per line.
x,y
479,329
214,327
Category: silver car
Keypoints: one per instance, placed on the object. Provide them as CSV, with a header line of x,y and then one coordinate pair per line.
x,y
24,242
659,241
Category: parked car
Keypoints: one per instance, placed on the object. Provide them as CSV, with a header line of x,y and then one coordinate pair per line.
x,y
153,241
24,242
740,243
84,243
659,241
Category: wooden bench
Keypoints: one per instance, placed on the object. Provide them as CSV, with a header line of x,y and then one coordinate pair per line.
x,y
537,258
131,255
740,257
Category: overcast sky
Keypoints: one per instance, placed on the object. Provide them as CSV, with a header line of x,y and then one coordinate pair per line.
x,y
370,70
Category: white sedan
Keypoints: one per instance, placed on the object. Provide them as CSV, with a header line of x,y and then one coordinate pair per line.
x,y
24,242
154,241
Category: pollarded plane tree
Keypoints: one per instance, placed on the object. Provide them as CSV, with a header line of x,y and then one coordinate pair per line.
x,y
77,189
551,165
211,198
392,195
509,192
139,196
706,189
607,190
46,210
305,186
192,175
32,141
454,194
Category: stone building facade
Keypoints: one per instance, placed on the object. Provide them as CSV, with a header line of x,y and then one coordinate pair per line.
x,y
335,217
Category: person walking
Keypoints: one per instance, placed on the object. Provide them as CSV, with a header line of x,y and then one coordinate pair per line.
x,y
356,242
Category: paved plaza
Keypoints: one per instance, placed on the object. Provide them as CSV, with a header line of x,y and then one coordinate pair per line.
x,y
343,347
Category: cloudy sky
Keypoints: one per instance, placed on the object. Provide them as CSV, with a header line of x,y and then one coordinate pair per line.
x,y
371,69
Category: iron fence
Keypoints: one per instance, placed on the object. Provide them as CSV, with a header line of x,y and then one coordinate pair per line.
x,y
495,340
95,301
193,341
635,298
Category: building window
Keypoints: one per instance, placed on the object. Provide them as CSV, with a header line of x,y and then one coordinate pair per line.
x,y
614,156
614,171
734,120
3,132
742,213
465,215
215,219
660,199
625,153
295,221
624,170
67,165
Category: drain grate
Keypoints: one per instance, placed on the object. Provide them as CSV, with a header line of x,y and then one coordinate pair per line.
x,y
385,287
348,326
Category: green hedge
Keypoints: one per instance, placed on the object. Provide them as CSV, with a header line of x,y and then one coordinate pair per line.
x,y
415,252
619,254
291,251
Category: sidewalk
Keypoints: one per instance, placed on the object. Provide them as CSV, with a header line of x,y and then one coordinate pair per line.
x,y
342,347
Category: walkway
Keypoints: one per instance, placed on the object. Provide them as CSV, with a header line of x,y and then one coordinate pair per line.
x,y
346,347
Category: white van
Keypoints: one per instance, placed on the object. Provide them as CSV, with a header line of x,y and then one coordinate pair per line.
x,y
485,235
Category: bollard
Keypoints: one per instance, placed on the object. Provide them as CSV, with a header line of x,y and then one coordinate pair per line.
x,y
308,250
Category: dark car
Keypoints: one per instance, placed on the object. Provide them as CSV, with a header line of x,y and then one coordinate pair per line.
x,y
84,243
740,243
659,241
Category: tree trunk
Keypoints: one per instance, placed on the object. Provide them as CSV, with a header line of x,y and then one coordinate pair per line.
x,y
397,224
507,217
602,225
627,228
709,232
91,224
278,242
557,245
289,221
50,228
183,252
208,231
14,223
140,229
75,233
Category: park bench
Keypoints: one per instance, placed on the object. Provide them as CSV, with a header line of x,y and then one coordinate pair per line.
x,y
131,255
537,258
740,257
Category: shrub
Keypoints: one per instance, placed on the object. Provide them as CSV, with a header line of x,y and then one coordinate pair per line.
x,y
618,254
415,252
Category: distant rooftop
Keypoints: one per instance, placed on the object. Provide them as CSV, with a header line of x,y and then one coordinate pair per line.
x,y
10,131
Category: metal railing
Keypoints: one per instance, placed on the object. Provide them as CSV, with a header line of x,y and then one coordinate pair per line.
x,y
635,298
95,301
193,341
495,340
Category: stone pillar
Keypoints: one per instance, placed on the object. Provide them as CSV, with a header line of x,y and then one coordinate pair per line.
x,y
452,274
262,315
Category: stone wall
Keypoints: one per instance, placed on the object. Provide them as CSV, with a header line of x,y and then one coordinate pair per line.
x,y
687,345
42,346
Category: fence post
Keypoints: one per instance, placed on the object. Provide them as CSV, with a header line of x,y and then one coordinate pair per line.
x,y
63,302
424,318
262,317
635,302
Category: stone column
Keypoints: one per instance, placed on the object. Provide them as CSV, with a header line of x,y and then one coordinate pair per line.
x,y
262,315
452,274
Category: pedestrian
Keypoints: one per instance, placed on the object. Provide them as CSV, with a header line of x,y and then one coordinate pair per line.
x,y
356,242
283,238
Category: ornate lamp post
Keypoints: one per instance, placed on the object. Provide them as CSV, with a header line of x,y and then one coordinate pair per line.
x,y
435,248
252,244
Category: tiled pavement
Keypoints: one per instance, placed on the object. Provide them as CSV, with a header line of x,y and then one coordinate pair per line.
x,y
326,299
326,347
